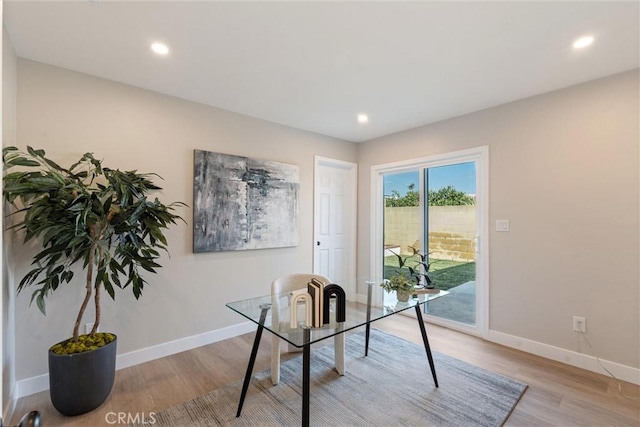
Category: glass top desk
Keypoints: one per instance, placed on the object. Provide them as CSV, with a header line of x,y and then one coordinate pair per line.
x,y
258,310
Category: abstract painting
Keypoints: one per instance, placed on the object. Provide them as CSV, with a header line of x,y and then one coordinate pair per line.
x,y
241,203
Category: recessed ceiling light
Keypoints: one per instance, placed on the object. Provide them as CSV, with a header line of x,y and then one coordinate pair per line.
x,y
363,118
160,48
583,42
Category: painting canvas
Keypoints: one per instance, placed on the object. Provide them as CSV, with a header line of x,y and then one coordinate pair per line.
x,y
242,203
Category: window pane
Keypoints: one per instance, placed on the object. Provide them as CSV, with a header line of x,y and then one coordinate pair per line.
x,y
402,223
451,235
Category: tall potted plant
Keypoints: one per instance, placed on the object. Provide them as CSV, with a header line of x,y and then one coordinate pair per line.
x,y
91,217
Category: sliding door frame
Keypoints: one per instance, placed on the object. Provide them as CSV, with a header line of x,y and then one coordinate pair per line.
x,y
479,155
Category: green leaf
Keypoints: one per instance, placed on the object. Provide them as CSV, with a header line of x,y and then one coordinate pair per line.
x,y
9,149
67,276
53,164
99,277
108,287
157,234
147,266
116,267
116,279
23,162
40,303
138,283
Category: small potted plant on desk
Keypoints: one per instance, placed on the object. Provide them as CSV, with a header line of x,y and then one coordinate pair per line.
x,y
97,218
401,284
416,281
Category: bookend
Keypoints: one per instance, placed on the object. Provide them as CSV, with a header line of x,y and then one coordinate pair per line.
x,y
341,303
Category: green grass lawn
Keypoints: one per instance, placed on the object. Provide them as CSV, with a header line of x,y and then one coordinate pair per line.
x,y
445,274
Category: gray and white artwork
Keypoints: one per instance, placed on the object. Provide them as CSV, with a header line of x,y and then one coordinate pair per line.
x,y
241,203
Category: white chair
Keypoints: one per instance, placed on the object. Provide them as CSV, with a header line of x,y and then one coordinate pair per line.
x,y
290,283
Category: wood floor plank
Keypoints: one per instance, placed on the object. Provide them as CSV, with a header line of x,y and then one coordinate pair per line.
x,y
558,394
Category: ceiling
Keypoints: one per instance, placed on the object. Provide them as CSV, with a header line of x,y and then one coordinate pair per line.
x,y
316,65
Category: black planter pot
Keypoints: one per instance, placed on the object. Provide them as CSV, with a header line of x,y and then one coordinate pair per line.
x,y
79,383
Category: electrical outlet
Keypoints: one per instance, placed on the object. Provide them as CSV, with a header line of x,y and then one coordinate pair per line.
x,y
579,324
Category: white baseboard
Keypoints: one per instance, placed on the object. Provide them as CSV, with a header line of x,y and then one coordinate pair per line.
x,y
40,383
579,360
182,344
32,385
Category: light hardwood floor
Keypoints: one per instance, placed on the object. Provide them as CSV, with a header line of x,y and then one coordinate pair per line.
x,y
558,394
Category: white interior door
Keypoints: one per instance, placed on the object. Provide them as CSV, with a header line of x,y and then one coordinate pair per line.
x,y
335,221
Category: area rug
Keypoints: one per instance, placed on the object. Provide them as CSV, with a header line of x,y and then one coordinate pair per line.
x,y
392,386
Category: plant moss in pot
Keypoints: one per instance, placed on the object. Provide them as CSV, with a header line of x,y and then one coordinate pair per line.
x,y
92,217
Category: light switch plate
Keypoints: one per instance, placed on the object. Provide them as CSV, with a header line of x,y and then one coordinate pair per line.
x,y
502,225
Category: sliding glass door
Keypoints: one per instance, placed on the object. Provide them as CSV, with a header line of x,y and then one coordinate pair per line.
x,y
431,218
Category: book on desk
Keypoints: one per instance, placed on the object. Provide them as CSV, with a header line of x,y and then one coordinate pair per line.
x,y
317,304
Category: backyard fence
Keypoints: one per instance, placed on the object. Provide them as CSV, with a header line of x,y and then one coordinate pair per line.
x,y
452,230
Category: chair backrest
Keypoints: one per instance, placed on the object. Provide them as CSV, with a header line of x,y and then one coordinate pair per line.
x,y
291,282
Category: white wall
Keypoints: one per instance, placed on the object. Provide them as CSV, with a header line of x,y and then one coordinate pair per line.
x,y
68,114
7,297
576,150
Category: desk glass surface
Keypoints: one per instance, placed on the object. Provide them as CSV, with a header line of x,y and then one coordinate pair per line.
x,y
356,315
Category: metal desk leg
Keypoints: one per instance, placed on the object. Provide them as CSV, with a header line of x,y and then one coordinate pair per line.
x,y
306,365
252,359
368,327
425,340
